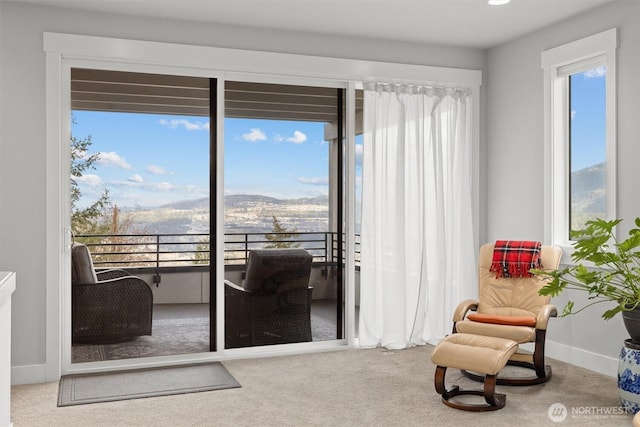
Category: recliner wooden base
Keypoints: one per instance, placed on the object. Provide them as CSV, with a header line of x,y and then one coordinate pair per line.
x,y
487,355
514,381
494,401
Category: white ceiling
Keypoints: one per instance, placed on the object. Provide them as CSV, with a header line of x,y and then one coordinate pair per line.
x,y
464,23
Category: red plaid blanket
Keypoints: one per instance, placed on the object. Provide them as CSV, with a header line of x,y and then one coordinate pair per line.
x,y
514,258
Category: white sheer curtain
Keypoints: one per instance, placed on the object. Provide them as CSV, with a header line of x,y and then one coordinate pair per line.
x,y
417,245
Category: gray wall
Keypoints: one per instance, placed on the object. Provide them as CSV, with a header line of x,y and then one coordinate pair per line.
x,y
515,135
22,107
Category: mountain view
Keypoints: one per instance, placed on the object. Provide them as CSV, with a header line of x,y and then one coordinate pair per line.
x,y
246,213
588,189
243,214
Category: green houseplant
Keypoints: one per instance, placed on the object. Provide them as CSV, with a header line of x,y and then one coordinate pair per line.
x,y
607,269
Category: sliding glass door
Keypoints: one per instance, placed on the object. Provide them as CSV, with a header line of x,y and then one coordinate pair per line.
x,y
283,214
144,183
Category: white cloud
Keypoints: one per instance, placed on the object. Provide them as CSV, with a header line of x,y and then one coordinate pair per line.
x,y
297,138
89,180
187,124
129,183
600,71
359,151
313,181
573,113
144,186
156,170
254,135
162,186
112,158
136,178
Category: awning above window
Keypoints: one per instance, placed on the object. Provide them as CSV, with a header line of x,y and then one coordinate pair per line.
x,y
129,92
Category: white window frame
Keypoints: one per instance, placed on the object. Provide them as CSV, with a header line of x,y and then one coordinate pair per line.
x,y
558,63
63,51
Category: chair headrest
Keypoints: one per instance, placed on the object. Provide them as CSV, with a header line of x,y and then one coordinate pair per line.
x,y
277,269
82,270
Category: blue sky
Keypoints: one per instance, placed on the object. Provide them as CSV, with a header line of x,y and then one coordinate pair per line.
x,y
148,160
588,118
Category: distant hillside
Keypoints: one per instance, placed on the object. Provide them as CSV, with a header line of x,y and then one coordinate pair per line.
x,y
202,203
243,200
588,189
243,214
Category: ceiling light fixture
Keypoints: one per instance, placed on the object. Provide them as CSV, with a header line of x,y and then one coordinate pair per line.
x,y
498,2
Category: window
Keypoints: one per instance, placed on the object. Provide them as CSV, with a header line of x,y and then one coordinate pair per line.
x,y
587,147
580,134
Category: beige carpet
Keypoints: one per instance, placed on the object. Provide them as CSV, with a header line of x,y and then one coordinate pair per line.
x,y
342,388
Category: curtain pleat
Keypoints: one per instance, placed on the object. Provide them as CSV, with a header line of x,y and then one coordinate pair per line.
x,y
417,247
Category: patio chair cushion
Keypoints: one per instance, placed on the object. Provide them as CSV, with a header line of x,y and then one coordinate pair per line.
x,y
277,270
82,270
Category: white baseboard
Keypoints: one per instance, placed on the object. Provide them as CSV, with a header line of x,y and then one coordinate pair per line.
x,y
599,363
28,374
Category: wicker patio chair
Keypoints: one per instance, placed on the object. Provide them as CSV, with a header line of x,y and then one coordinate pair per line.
x,y
273,305
107,305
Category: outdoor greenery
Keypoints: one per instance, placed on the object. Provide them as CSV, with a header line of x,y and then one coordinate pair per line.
x,y
84,220
101,217
202,251
279,236
607,269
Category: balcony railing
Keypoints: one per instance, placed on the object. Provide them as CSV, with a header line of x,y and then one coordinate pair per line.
x,y
169,252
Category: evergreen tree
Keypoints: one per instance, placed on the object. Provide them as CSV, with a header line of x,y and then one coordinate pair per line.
x,y
101,217
84,220
202,251
279,236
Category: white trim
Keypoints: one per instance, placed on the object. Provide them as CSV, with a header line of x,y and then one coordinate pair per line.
x,y
30,374
54,234
280,65
587,47
219,223
65,50
557,63
599,363
350,213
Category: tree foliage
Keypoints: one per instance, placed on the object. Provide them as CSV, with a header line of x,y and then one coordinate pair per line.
x,y
280,237
84,220
110,226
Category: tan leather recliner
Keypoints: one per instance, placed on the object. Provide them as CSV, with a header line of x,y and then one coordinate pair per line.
x,y
511,308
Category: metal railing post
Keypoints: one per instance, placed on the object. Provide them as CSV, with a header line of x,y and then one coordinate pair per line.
x,y
156,277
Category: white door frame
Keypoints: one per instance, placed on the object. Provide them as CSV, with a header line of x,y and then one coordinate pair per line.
x,y
64,51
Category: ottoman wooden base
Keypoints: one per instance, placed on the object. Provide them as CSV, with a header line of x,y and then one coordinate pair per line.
x,y
486,355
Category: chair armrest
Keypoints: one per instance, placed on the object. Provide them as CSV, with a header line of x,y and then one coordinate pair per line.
x,y
111,273
547,311
123,289
233,287
463,308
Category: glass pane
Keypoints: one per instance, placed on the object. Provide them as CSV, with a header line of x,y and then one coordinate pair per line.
x,y
587,147
280,207
140,146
